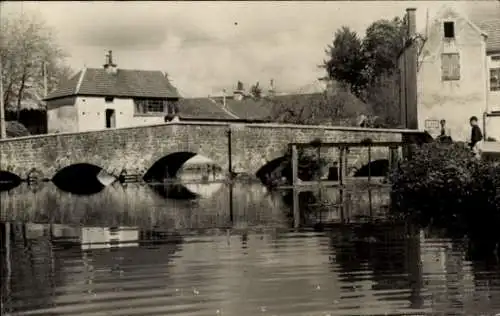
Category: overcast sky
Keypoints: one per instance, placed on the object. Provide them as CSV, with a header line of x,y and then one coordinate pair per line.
x,y
208,46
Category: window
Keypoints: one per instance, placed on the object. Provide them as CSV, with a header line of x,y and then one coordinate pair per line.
x,y
109,99
449,30
450,66
495,79
150,106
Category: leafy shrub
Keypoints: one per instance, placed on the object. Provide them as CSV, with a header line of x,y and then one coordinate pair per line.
x,y
445,185
16,129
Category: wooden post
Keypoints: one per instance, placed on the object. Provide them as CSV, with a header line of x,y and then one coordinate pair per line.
x,y
393,158
369,164
230,153
319,180
341,205
341,168
231,207
370,202
295,178
230,173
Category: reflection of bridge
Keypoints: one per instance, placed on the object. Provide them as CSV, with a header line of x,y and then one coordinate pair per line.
x,y
240,148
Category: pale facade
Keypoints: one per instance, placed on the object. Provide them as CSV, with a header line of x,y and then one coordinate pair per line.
x,y
456,76
95,113
452,76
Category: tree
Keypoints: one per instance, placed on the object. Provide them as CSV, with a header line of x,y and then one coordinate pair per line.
x,y
368,66
347,62
28,44
382,44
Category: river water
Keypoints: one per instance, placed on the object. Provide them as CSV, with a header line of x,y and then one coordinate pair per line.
x,y
128,250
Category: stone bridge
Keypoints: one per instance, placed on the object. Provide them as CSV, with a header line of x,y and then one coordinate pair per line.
x,y
136,149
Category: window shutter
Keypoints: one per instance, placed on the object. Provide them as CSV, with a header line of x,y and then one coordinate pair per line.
x,y
450,67
455,66
445,66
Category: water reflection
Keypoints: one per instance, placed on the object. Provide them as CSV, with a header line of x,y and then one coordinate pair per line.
x,y
128,251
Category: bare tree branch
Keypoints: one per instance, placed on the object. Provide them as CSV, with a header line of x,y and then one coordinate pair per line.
x,y
26,44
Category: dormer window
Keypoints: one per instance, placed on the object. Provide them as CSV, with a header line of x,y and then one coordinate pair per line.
x,y
449,30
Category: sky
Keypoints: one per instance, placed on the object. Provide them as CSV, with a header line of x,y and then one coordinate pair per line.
x,y
208,46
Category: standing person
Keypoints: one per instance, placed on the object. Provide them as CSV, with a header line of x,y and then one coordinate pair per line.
x,y
476,135
444,135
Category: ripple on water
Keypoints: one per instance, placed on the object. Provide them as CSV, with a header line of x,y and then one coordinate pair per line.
x,y
257,274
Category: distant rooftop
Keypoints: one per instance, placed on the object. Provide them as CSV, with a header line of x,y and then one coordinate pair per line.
x,y
486,15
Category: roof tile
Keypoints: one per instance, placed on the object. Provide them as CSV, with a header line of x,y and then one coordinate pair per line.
x,y
125,83
202,108
486,15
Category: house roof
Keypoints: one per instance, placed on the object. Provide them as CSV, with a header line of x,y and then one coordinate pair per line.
x,y
276,107
203,108
125,83
492,29
486,15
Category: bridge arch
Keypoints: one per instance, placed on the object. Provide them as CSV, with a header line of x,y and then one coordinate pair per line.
x,y
272,170
376,168
81,179
9,180
167,166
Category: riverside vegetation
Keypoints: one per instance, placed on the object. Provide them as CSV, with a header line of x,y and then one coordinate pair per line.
x,y
445,186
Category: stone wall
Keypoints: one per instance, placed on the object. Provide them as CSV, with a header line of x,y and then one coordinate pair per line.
x,y
136,149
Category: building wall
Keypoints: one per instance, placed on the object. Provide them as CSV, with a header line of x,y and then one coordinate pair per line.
x,y
455,101
62,116
92,114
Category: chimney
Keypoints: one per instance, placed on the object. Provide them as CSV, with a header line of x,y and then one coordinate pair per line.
x,y
224,97
271,87
109,65
411,120
239,93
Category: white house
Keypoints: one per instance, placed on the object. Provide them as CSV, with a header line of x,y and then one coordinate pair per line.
x,y
109,97
458,71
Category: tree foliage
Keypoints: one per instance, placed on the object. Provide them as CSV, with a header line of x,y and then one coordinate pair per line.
x,y
368,65
346,60
337,107
360,62
27,43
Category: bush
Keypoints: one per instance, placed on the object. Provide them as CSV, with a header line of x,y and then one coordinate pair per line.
x,y
16,129
446,186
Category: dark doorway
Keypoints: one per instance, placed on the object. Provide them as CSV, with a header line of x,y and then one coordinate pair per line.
x,y
110,118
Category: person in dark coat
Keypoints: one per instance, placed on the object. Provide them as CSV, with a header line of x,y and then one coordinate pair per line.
x,y
476,134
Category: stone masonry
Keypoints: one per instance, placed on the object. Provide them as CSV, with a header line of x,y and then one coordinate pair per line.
x,y
136,149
